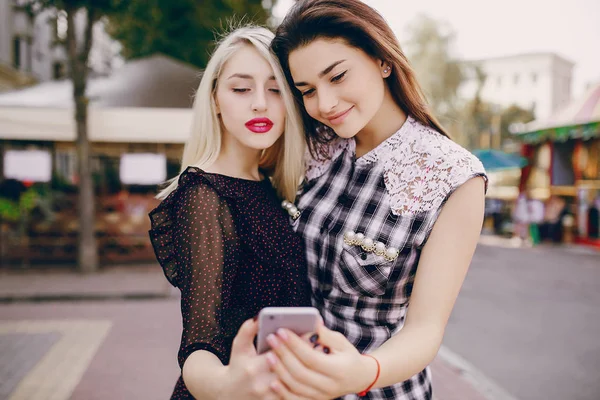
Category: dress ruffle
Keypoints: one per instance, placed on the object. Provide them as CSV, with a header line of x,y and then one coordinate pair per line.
x,y
162,219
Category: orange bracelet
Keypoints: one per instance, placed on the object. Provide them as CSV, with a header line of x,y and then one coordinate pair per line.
x,y
364,392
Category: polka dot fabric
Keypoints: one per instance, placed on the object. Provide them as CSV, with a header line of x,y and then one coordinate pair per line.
x,y
227,245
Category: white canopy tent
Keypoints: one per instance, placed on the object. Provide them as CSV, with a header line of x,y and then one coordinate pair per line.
x,y
120,125
146,101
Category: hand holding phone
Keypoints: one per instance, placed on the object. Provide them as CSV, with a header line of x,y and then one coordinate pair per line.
x,y
300,320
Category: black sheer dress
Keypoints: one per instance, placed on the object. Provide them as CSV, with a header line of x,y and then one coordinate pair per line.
x,y
227,245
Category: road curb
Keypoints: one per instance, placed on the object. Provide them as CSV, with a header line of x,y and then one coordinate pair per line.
x,y
475,377
81,297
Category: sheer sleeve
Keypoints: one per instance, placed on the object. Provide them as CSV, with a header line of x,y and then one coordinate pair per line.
x,y
206,254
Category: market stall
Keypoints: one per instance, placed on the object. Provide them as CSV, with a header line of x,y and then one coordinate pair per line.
x,y
564,163
138,121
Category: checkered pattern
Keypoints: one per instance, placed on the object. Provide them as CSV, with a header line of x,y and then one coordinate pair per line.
x,y
361,294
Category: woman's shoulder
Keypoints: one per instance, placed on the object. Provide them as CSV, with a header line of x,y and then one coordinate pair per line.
x,y
194,180
424,167
416,142
195,190
194,186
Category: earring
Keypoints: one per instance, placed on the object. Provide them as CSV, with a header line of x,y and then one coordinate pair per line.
x,y
386,70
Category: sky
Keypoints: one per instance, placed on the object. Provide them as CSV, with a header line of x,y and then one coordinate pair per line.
x,y
487,28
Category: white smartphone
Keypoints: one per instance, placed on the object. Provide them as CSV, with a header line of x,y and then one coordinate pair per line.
x,y
300,320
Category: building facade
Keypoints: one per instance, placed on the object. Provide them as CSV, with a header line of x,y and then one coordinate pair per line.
x,y
31,45
540,82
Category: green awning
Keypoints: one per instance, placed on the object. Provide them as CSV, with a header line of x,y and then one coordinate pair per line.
x,y
561,134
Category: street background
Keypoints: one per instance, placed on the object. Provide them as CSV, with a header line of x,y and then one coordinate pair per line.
x,y
85,311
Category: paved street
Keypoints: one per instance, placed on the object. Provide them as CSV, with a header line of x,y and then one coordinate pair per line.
x,y
110,335
529,319
527,322
134,358
113,350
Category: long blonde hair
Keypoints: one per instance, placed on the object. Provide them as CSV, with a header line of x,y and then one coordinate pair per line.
x,y
284,160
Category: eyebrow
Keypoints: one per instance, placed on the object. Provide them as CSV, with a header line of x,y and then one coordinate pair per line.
x,y
322,73
246,76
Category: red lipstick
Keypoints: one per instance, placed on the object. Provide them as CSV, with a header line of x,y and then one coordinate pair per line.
x,y
259,125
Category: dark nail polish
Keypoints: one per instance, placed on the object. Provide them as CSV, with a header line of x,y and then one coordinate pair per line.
x,y
316,345
326,350
314,338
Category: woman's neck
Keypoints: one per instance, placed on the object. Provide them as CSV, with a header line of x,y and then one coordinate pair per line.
x,y
237,161
387,121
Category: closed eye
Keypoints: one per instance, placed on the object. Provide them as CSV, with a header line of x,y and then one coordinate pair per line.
x,y
338,77
240,90
307,92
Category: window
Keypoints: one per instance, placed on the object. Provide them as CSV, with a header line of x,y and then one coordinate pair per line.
x,y
60,27
17,52
66,166
58,70
29,52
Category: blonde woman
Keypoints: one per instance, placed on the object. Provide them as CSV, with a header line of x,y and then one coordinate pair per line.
x,y
220,233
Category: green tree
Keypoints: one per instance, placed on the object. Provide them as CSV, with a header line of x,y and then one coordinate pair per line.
x,y
428,46
511,115
476,115
182,29
78,43
482,119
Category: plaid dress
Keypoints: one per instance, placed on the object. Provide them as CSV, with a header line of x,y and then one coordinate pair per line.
x,y
393,196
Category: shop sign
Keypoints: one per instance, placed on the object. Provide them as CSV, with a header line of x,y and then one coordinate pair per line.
x,y
28,165
143,169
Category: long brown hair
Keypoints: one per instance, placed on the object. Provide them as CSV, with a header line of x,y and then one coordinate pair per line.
x,y
362,27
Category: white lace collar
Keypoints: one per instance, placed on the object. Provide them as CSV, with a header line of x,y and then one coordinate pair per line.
x,y
316,168
421,167
384,147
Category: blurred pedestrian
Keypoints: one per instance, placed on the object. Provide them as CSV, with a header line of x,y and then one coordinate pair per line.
x,y
495,208
593,227
521,219
220,233
555,211
535,209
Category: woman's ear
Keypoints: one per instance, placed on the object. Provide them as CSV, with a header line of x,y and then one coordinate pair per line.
x,y
216,103
386,69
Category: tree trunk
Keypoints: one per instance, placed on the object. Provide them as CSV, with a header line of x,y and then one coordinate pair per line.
x,y
88,249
